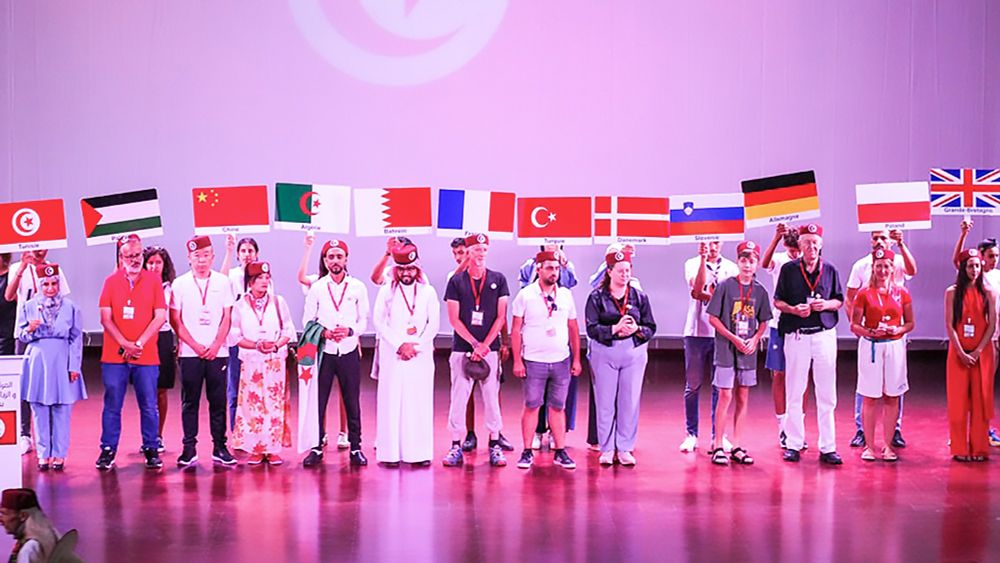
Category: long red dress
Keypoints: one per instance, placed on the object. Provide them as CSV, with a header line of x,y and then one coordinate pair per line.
x,y
970,389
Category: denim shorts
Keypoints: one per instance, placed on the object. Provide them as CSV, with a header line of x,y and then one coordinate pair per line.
x,y
539,374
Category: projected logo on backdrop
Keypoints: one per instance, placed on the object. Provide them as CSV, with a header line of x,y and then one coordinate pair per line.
x,y
441,35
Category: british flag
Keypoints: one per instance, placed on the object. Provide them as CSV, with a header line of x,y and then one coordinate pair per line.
x,y
957,190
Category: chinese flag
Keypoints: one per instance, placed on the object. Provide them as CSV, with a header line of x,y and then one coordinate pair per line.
x,y
227,210
554,220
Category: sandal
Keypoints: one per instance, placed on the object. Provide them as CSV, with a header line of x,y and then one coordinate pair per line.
x,y
740,456
58,465
977,458
889,455
43,466
961,458
868,455
719,457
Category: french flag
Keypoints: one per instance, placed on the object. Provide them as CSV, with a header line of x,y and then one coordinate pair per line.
x,y
706,217
465,212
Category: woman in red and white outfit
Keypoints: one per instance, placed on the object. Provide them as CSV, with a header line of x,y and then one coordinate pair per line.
x,y
262,328
882,316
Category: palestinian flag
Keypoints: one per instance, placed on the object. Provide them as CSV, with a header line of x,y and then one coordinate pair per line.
x,y
107,218
312,207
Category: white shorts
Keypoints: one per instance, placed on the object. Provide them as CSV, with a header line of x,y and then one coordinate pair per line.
x,y
882,368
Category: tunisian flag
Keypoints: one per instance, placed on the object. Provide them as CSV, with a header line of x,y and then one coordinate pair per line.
x,y
241,209
31,225
554,220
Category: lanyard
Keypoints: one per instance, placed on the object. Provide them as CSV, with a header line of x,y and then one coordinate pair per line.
x,y
819,274
343,292
251,301
131,286
623,306
410,308
743,298
204,294
477,294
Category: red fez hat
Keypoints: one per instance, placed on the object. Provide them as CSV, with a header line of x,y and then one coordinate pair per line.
x,y
613,258
19,499
404,254
883,253
129,238
748,246
811,229
255,269
545,256
46,270
969,253
478,238
334,244
199,242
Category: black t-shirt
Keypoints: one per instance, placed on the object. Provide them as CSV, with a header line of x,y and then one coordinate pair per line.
x,y
793,288
460,289
8,309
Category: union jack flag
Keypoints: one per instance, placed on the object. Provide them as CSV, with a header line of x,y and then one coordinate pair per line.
x,y
965,188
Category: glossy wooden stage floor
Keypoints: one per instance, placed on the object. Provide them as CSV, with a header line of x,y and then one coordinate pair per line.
x,y
670,507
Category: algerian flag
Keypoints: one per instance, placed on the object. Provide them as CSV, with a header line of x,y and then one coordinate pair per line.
x,y
107,218
312,207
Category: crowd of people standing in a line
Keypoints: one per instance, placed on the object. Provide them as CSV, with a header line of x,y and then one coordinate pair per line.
x,y
230,334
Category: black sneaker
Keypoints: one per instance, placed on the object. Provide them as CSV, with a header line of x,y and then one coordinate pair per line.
x,y
470,442
222,455
358,458
859,440
504,443
527,458
153,460
831,458
454,457
783,440
563,460
159,444
497,458
314,458
106,460
188,456
897,439
791,456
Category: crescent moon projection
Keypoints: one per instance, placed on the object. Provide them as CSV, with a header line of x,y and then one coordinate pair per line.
x,y
302,203
534,217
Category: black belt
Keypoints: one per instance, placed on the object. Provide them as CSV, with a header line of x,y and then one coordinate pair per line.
x,y
810,330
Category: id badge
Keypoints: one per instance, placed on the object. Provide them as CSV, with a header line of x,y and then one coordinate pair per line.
x,y
550,331
411,330
128,313
969,331
742,327
205,317
477,318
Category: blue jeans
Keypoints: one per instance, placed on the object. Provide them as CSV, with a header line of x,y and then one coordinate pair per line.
x,y
857,412
699,356
233,383
116,379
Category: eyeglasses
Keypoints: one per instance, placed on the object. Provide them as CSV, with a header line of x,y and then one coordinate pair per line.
x,y
135,256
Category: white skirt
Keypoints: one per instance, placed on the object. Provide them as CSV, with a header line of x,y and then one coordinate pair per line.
x,y
882,368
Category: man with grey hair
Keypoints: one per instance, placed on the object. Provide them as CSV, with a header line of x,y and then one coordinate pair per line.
x,y
34,536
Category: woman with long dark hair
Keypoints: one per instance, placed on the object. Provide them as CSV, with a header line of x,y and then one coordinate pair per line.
x,y
157,260
970,321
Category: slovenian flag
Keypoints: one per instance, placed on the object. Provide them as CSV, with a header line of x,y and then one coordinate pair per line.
x,y
392,211
897,205
706,217
312,207
465,212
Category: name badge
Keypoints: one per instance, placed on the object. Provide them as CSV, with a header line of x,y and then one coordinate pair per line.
x,y
477,318
742,326
411,330
550,331
969,331
128,313
205,316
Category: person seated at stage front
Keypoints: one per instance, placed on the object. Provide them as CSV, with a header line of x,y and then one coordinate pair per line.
x,y
882,315
35,537
739,311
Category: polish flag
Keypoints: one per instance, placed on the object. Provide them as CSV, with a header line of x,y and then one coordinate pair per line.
x,y
899,205
392,211
554,220
632,220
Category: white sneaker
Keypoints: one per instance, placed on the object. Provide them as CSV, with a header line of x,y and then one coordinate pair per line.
x,y
550,440
727,446
536,442
689,444
26,445
607,458
342,442
626,458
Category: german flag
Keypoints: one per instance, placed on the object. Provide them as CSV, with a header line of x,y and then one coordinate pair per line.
x,y
780,199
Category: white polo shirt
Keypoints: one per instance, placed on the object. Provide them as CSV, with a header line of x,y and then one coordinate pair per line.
x,y
335,305
696,323
201,303
545,334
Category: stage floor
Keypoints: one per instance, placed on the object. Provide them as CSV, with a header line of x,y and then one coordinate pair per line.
x,y
670,507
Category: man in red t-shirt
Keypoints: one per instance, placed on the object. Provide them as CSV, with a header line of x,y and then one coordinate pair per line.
x,y
132,311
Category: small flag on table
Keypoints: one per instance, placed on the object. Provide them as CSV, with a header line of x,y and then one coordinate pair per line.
x,y
965,191
780,199
8,428
109,217
312,207
32,225
900,205
465,212
633,220
392,211
554,220
238,209
706,217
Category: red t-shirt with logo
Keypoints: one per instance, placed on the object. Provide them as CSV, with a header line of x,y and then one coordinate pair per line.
x,y
882,306
141,300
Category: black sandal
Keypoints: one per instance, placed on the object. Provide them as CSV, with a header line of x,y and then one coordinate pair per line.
x,y
960,458
743,459
58,465
719,457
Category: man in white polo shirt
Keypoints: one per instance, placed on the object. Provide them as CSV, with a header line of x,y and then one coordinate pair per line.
x,y
200,314
545,339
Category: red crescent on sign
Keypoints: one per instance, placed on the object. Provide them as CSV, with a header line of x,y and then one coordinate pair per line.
x,y
302,203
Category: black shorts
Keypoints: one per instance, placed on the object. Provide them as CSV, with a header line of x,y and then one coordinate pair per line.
x,y
168,360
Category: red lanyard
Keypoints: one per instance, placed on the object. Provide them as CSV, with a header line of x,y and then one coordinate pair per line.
x,y
251,300
749,293
476,293
819,274
34,281
622,307
410,308
204,294
343,292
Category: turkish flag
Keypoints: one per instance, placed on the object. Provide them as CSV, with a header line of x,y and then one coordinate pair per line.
x,y
554,220
8,428
30,225
240,209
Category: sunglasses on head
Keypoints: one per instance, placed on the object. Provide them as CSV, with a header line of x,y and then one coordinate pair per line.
x,y
552,302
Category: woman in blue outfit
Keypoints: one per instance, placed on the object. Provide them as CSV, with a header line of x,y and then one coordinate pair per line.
x,y
49,324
